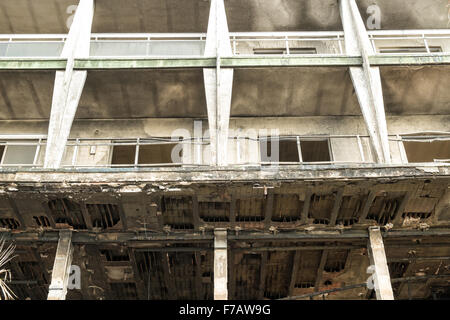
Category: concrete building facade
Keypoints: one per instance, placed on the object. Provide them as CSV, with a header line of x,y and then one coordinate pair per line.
x,y
226,149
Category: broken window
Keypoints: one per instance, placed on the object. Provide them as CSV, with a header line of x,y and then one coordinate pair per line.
x,y
315,150
427,151
286,208
115,254
294,150
251,209
284,51
104,216
41,221
66,212
123,155
9,223
212,211
177,212
423,49
148,154
276,149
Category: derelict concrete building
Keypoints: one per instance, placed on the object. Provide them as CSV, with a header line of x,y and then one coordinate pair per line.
x,y
140,146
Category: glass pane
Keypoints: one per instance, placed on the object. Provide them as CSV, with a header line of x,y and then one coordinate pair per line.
x,y
34,49
20,155
146,48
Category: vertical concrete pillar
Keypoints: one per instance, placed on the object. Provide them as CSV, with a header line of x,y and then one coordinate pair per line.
x,y
61,267
220,265
218,83
366,79
69,84
377,256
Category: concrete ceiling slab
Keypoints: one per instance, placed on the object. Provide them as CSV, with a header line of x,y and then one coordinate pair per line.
x,y
282,15
293,92
416,90
26,95
143,94
409,14
51,16
151,16
31,16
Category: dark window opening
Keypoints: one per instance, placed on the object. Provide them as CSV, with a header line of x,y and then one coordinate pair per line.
x,y
286,208
65,211
2,149
384,209
123,155
214,211
336,261
350,209
124,290
284,51
304,285
149,154
158,153
9,223
177,212
321,207
115,254
397,270
287,150
315,151
104,215
417,215
249,210
42,221
427,151
433,49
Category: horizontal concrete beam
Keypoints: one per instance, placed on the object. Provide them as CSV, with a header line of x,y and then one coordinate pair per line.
x,y
208,236
404,60
291,61
145,63
119,177
33,64
227,62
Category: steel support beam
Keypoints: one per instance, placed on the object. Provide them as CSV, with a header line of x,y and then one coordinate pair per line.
x,y
366,79
218,83
220,265
377,256
61,267
69,84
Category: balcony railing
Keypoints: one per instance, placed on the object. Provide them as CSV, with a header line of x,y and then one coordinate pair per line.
x,y
243,43
29,151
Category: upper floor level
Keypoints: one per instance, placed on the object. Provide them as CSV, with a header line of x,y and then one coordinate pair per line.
x,y
157,16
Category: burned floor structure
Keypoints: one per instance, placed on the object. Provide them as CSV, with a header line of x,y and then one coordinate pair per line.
x,y
225,149
303,235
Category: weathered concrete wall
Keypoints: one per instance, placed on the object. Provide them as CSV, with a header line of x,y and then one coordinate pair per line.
x,y
48,16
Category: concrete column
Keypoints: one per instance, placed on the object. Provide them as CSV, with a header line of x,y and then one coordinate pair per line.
x,y
69,84
220,265
377,256
366,79
61,267
218,83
